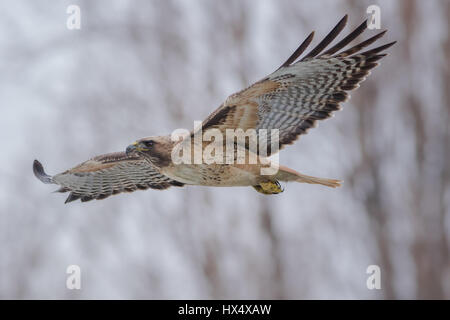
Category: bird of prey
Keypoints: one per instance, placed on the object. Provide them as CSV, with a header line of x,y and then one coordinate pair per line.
x,y
289,100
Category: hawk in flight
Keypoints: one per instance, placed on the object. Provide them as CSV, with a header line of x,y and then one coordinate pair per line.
x,y
290,100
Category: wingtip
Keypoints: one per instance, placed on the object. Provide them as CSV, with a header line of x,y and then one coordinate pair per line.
x,y
343,21
39,172
382,33
71,197
328,39
297,53
392,43
310,37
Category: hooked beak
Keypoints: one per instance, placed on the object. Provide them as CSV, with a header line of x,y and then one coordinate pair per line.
x,y
131,148
135,147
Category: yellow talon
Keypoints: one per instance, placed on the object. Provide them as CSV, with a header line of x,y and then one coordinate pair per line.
x,y
270,187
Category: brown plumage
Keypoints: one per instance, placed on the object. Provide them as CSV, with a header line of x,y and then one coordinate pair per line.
x,y
291,100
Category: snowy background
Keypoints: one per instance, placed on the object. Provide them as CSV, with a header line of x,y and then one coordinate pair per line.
x,y
140,68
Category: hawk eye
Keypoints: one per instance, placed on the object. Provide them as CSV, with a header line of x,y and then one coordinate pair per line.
x,y
149,143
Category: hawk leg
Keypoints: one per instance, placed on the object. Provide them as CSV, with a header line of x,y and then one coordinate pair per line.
x,y
270,187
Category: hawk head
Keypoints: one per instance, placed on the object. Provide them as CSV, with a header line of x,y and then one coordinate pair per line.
x,y
157,150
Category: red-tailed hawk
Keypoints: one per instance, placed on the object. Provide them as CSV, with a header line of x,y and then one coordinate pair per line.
x,y
289,102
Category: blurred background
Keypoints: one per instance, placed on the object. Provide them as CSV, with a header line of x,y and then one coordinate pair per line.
x,y
140,68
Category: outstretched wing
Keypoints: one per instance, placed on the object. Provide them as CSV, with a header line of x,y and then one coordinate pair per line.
x,y
106,175
298,93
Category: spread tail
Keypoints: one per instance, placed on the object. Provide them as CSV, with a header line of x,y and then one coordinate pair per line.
x,y
333,183
287,174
